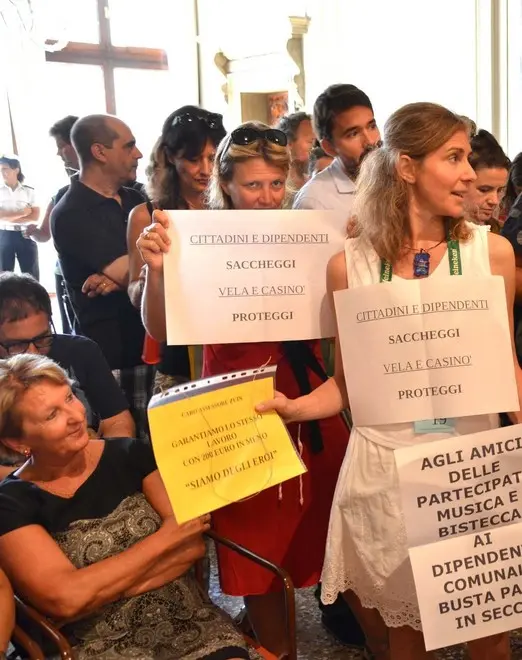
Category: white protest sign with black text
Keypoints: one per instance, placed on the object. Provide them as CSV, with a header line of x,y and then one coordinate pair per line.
x,y
246,276
461,500
461,485
422,349
469,587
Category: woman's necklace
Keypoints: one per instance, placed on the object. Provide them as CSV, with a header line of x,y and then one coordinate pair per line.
x,y
421,260
67,492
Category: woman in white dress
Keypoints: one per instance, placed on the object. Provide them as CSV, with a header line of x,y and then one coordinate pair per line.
x,y
410,197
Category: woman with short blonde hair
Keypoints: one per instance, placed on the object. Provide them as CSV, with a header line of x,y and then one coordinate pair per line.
x,y
93,516
236,150
17,375
286,524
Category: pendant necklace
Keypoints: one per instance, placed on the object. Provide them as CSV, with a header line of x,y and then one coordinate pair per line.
x,y
421,260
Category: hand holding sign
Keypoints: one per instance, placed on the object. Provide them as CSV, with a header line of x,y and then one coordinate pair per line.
x,y
153,241
212,448
286,408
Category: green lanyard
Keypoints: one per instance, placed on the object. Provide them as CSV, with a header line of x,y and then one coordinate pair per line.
x,y
455,263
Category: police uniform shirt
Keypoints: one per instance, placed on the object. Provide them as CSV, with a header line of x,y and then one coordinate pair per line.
x,y
14,200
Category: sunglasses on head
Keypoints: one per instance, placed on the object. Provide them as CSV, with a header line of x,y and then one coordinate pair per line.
x,y
244,136
213,120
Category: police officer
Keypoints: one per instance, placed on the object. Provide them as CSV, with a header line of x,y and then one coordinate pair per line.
x,y
17,210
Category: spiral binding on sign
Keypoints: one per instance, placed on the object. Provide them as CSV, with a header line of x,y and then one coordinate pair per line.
x,y
185,390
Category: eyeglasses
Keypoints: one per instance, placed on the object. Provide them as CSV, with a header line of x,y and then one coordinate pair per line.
x,y
244,136
213,120
18,346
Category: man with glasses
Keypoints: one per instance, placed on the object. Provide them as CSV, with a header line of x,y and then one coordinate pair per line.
x,y
26,327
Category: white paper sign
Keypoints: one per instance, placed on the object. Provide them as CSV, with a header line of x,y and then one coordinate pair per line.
x,y
461,501
245,276
467,592
436,348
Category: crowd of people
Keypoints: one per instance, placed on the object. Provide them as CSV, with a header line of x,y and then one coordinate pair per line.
x,y
81,496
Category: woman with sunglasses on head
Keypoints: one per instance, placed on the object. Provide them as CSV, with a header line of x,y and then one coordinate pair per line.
x,y
485,193
179,171
409,206
285,524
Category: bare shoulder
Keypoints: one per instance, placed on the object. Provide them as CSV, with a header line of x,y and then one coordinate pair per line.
x,y
139,217
336,273
501,255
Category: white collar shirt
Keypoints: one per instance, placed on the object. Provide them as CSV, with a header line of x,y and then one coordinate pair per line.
x,y
21,193
11,200
331,189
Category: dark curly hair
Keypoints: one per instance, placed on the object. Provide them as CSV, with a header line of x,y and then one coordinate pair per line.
x,y
486,152
185,133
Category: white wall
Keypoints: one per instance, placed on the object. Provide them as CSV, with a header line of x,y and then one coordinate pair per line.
x,y
397,51
257,39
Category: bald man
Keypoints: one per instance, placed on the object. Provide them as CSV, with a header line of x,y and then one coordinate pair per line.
x,y
89,228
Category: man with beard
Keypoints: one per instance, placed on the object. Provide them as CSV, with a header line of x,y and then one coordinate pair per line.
x,y
346,128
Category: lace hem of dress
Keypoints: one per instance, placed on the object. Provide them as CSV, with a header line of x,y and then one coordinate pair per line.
x,y
395,613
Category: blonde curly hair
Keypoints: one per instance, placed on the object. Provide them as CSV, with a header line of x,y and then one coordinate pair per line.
x,y
17,374
228,154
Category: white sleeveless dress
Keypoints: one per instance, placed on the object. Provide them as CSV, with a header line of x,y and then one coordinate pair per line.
x,y
366,549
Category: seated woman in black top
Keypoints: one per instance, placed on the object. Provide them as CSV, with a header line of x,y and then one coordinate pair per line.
x,y
87,534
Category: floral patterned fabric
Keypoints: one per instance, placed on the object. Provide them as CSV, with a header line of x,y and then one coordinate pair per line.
x,y
174,621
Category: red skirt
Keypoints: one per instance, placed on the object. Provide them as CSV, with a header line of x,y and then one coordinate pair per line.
x,y
285,524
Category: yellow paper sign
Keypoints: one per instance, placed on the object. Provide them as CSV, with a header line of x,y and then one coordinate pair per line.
x,y
212,448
